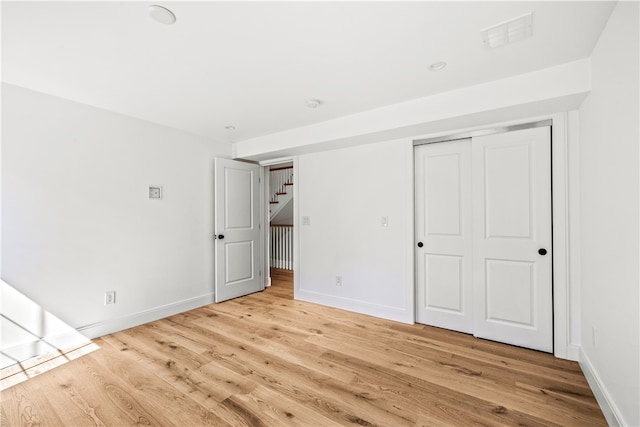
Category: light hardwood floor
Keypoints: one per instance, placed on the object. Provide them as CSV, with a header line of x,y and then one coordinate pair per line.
x,y
267,360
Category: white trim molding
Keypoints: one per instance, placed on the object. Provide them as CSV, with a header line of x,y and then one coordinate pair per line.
x,y
561,243
607,405
110,326
409,231
390,313
296,229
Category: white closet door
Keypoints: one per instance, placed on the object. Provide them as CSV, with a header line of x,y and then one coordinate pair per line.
x,y
444,235
512,238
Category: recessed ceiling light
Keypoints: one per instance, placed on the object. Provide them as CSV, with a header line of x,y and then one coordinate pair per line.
x,y
230,127
313,103
161,14
437,66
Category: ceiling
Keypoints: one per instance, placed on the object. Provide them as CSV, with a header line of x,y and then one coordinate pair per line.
x,y
253,65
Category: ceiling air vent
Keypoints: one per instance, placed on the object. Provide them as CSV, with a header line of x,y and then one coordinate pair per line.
x,y
508,32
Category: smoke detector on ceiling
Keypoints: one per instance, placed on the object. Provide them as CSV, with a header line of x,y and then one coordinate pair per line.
x,y
313,103
161,14
437,66
508,32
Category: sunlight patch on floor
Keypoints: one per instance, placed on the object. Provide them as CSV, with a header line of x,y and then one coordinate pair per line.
x,y
32,340
22,371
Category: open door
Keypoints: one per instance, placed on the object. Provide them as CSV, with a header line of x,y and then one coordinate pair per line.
x,y
237,227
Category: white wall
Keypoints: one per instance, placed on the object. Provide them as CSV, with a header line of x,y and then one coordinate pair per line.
x,y
609,141
77,221
345,193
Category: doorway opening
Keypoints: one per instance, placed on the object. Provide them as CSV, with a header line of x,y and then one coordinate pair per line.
x,y
280,233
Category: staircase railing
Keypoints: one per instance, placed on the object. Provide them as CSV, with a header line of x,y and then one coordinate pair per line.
x,y
282,247
279,179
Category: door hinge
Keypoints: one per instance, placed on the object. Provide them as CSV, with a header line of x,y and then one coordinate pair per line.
x,y
259,272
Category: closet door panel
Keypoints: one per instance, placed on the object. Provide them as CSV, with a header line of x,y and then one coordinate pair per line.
x,y
443,229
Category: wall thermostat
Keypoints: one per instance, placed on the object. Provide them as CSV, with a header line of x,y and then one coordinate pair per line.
x,y
155,192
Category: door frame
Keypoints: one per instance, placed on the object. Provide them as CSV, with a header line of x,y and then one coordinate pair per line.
x,y
266,261
565,235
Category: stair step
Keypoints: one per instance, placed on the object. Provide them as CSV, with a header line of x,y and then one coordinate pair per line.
x,y
273,202
281,194
288,183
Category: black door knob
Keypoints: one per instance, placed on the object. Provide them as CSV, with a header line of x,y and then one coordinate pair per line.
x,y
420,244
542,251
220,236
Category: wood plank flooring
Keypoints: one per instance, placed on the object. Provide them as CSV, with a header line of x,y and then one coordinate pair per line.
x,y
267,360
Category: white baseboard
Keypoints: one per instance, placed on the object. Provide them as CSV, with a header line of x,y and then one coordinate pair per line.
x,y
608,407
573,352
362,307
110,326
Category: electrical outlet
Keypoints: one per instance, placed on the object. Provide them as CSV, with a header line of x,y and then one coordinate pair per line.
x,y
338,280
306,220
109,297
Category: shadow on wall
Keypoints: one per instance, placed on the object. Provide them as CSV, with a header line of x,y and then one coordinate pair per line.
x,y
33,340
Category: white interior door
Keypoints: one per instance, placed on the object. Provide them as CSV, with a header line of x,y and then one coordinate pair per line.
x,y
512,238
444,235
237,239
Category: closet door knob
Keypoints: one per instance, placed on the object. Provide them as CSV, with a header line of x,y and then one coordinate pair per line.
x,y
542,251
420,244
